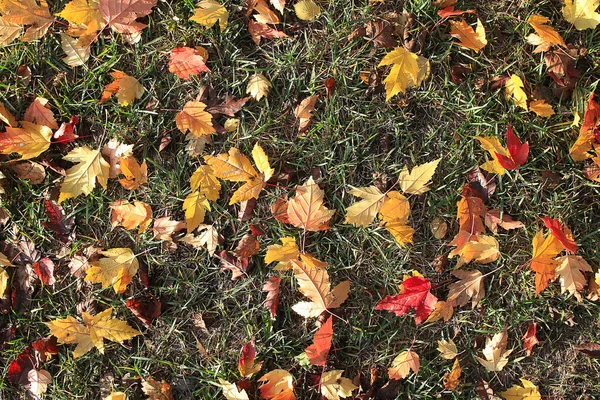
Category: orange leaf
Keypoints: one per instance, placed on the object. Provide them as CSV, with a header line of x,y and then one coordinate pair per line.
x,y
318,351
121,16
247,366
272,289
306,209
135,174
467,36
39,112
186,61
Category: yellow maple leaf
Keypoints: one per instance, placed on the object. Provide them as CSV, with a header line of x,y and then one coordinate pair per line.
x,y
495,353
81,178
135,174
283,253
582,13
8,31
258,86
28,12
467,36
470,286
492,145
514,90
195,206
193,118
314,283
526,392
131,216
265,14
92,332
205,181
569,272
415,181
394,215
547,34
210,12
447,349
75,54
231,391
541,108
307,10
235,167
126,88
333,386
408,69
30,141
542,262
5,115
443,310
85,20
403,363
364,211
116,269
484,250
306,209
116,396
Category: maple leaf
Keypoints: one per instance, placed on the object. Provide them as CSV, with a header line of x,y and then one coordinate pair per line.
x,y
165,227
32,171
467,36
318,351
561,233
81,178
493,146
210,12
306,209
39,112
333,386
195,205
114,150
408,69
542,263
92,332
146,308
126,88
443,310
6,116
29,141
44,269
518,151
28,12
526,392
495,353
38,381
186,62
545,33
414,294
208,237
363,212
260,31
541,108
470,286
283,253
530,339
116,396
272,289
194,119
258,86
8,31
452,379
265,14
131,215
304,112
135,174
307,10
447,349
569,271
116,269
449,11
403,363
484,250
156,390
205,181
235,167
231,391
582,13
278,4
493,220
121,16
278,384
591,120
76,55
58,221
513,88
247,365
314,283
415,182
85,19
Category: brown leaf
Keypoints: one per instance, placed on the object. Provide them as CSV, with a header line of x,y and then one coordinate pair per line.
x,y
230,106
481,183
459,72
230,262
246,210
29,170
155,390
145,308
493,221
272,289
121,16
165,227
247,247
279,210
381,33
589,349
259,31
304,112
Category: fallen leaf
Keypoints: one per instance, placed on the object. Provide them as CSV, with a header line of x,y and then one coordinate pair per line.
x,y
6,116
559,232
156,390
414,294
493,146
569,272
195,119
364,211
230,262
126,88
116,269
29,141
28,12
581,13
29,170
542,262
495,353
333,386
146,308
75,55
513,88
452,378
403,363
115,150
260,31
408,69
39,113
272,288
209,12
443,310
278,384
131,215
493,220
265,14
231,391
258,86
415,182
447,349
470,286
44,269
208,237
589,349
186,61
438,228
468,37
247,364
546,33
81,178
306,209
307,10
135,174
121,16
66,133
530,339
38,381
318,351
247,247
526,392
165,227
517,151
304,112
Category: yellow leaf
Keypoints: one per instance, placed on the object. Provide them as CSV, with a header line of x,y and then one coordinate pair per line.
x,y
6,116
469,38
92,332
116,269
165,227
526,392
401,232
195,205
582,13
443,309
125,87
283,253
306,209
492,145
205,181
307,10
8,31
135,174
265,15
470,286
258,86
364,211
569,272
484,250
495,353
193,118
541,108
278,384
81,178
403,363
116,396
28,12
333,386
30,141
438,228
514,90
546,32
262,162
395,208
75,54
408,69
231,125
231,391
85,19
447,349
544,250
131,216
209,12
415,182
452,378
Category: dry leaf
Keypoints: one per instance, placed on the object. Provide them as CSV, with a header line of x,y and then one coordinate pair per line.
x,y
496,355
126,88
403,363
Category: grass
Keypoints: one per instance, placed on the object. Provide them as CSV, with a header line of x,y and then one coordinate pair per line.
x,y
356,138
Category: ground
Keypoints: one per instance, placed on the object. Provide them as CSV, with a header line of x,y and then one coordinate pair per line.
x,y
357,138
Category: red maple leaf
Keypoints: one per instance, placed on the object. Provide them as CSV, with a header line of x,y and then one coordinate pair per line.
x,y
318,351
530,339
558,231
518,151
414,293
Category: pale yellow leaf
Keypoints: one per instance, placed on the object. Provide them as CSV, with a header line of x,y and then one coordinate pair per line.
x,y
495,353
75,54
403,363
582,13
209,12
526,392
470,287
194,119
415,182
306,209
81,178
334,387
364,211
514,90
258,86
307,10
447,349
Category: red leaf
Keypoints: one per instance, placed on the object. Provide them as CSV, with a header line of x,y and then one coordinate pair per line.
x,y
272,288
451,12
558,231
146,308
259,31
230,262
330,86
46,348
7,333
518,151
59,223
247,365
257,230
66,133
31,357
186,62
414,293
44,269
530,340
318,351
589,349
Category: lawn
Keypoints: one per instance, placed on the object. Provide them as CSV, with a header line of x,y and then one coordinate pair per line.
x,y
356,139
